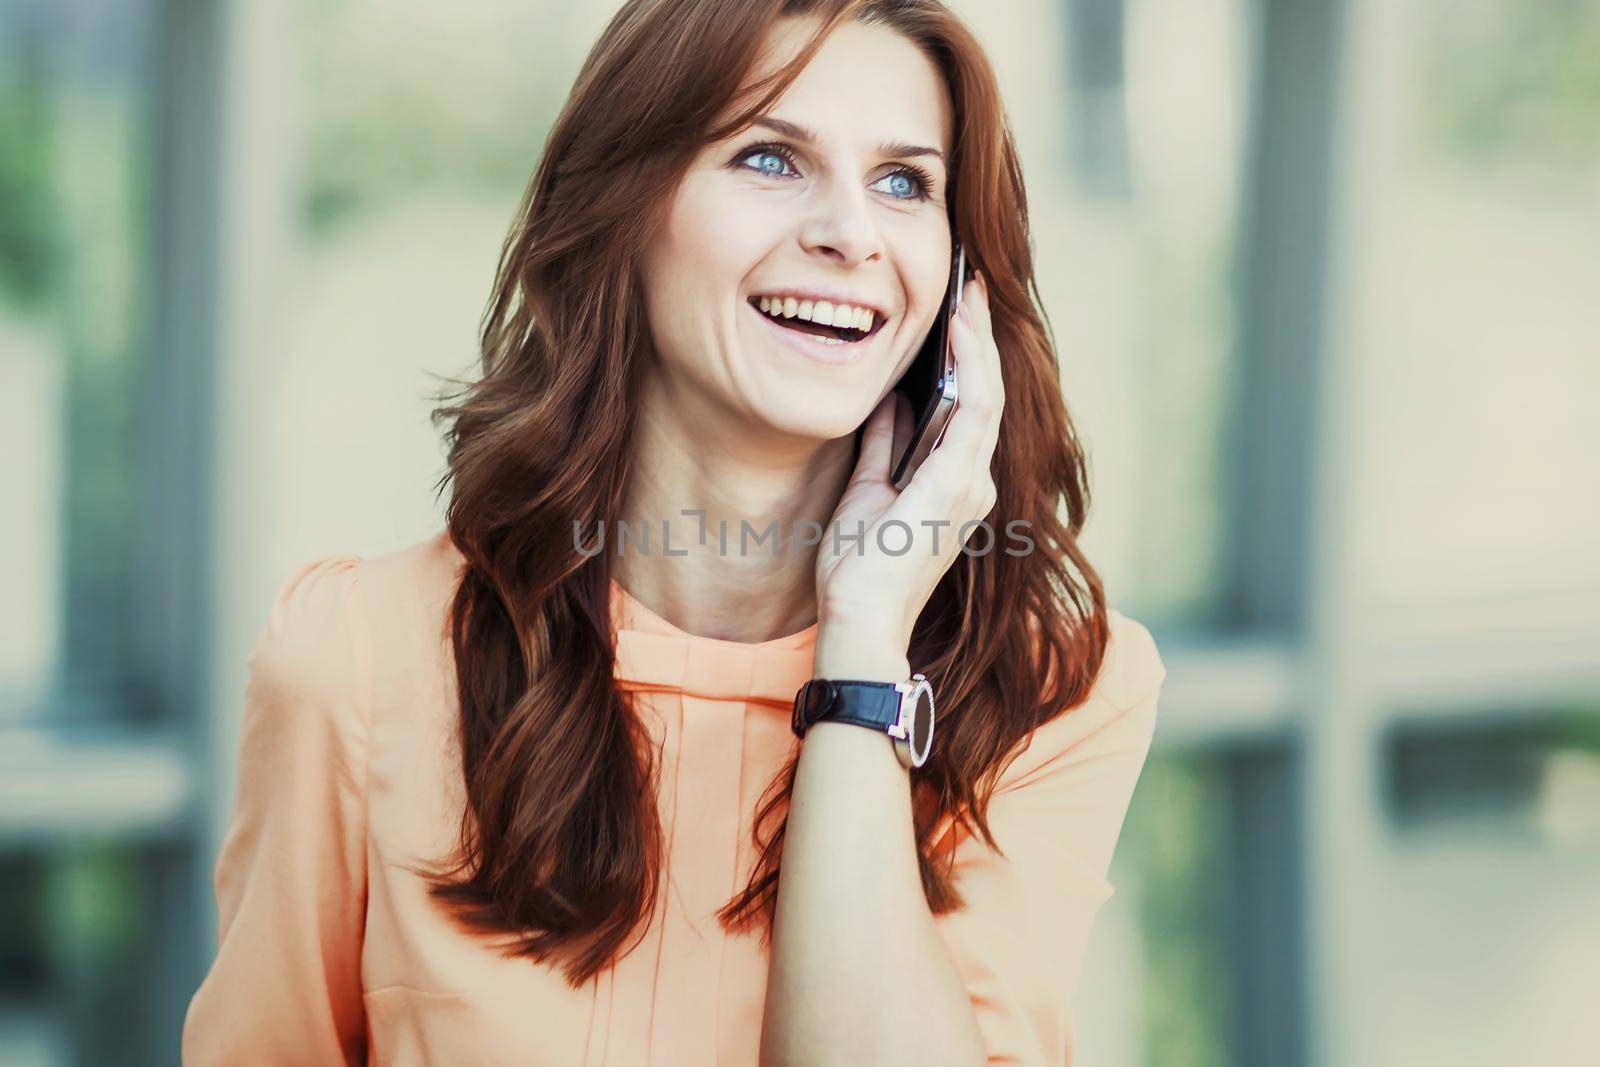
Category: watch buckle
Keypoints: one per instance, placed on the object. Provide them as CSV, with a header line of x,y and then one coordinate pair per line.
x,y
901,729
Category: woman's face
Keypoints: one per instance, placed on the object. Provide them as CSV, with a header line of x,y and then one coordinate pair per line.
x,y
824,205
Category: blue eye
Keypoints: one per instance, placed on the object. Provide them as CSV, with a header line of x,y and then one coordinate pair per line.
x,y
907,184
769,154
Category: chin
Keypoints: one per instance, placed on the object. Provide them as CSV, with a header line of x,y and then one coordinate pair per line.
x,y
819,412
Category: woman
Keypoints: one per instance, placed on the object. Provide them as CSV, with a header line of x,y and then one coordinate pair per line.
x,y
505,798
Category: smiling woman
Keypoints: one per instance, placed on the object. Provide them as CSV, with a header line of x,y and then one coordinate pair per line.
x,y
501,800
817,200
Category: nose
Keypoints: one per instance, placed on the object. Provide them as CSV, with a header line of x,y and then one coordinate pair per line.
x,y
841,226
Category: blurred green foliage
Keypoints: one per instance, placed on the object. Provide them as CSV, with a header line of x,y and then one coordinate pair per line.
x,y
1513,81
1171,844
29,245
427,102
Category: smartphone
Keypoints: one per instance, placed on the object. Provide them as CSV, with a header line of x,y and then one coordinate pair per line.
x,y
930,384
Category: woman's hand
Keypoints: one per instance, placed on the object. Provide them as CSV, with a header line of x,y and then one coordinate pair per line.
x,y
871,591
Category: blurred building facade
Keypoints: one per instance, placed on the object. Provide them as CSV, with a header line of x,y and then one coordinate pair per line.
x,y
1325,278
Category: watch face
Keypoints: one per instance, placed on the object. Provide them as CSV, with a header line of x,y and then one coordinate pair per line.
x,y
922,723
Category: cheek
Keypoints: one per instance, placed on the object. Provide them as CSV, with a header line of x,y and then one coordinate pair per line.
x,y
924,258
709,243
715,236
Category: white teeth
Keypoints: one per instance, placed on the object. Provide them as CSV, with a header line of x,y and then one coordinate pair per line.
x,y
846,316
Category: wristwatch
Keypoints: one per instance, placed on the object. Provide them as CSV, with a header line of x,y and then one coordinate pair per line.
x,y
903,710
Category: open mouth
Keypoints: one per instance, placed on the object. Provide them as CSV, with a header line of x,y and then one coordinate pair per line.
x,y
847,325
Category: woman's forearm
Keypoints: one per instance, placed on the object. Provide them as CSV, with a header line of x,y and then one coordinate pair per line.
x,y
858,971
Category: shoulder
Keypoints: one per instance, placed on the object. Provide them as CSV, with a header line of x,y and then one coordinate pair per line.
x,y
309,673
315,626
408,592
1117,716
335,616
1132,668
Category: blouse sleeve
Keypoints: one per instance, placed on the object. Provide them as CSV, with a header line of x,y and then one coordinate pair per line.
x,y
290,879
1018,942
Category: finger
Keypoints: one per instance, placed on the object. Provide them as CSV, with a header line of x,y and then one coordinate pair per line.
x,y
977,295
946,476
983,323
975,391
994,386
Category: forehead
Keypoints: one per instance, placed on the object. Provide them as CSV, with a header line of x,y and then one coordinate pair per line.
x,y
866,85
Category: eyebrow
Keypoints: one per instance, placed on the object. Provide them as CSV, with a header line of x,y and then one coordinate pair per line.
x,y
888,148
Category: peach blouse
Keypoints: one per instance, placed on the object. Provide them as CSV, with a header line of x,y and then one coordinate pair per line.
x,y
331,952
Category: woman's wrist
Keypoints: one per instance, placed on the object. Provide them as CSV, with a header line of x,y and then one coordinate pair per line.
x,y
863,653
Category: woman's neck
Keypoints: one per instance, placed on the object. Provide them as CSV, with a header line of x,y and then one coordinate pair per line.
x,y
715,512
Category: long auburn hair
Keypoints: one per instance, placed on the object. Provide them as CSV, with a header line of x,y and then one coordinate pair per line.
x,y
561,843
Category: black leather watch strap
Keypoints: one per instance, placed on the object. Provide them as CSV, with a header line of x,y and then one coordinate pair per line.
x,y
875,705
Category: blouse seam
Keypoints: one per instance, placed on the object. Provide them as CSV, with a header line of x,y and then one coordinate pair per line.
x,y
1143,698
366,702
1119,713
403,987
